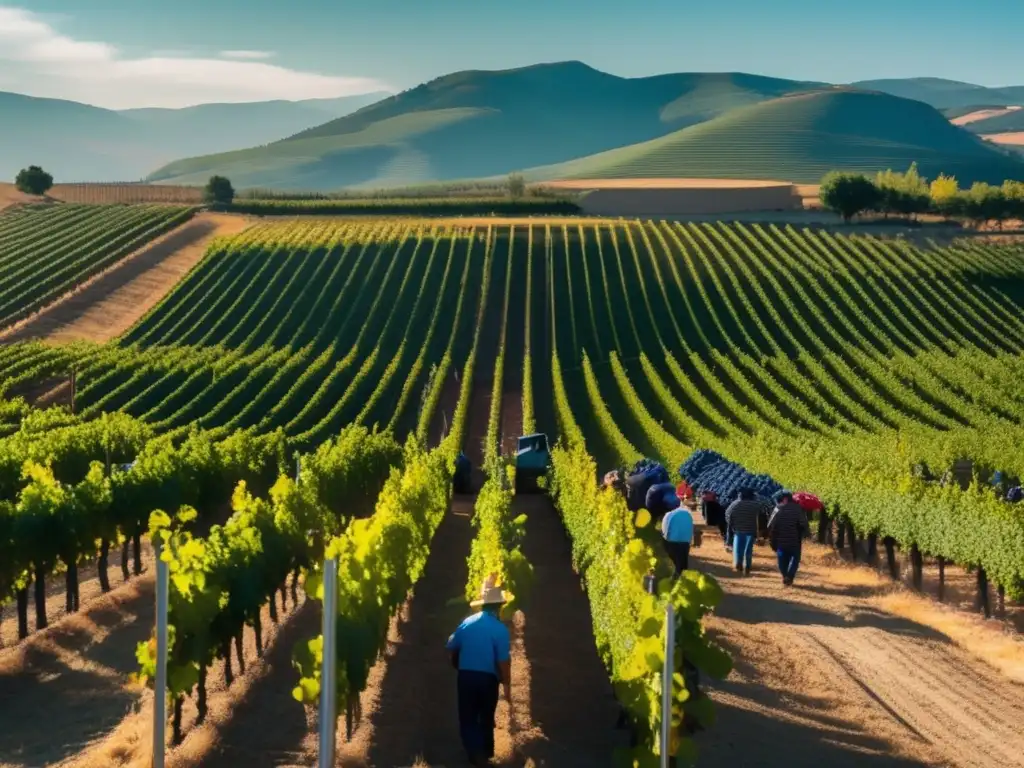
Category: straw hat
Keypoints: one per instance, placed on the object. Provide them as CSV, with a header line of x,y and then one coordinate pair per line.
x,y
490,594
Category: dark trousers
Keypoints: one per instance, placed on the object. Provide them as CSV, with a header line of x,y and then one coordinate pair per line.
x,y
789,561
679,551
478,701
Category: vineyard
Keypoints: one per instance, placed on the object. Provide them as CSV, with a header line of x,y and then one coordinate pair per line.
x,y
45,252
371,352
126,193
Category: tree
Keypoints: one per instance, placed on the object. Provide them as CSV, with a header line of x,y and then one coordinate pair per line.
x,y
516,185
983,202
33,181
945,195
848,194
1013,191
219,190
905,194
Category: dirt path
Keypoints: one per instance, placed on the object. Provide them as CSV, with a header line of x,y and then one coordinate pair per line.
x,y
409,708
67,686
110,303
56,594
823,675
572,710
511,421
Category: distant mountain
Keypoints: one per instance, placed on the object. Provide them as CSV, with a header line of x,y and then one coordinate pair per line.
x,y
483,123
801,137
78,142
944,94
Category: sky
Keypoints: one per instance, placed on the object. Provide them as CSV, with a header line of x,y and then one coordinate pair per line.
x,y
171,53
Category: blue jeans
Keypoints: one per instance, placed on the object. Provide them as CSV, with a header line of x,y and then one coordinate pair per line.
x,y
743,549
478,701
789,561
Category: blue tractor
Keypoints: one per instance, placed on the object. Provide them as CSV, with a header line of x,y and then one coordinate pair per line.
x,y
532,461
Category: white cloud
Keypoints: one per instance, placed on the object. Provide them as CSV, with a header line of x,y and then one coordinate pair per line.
x,y
43,62
247,54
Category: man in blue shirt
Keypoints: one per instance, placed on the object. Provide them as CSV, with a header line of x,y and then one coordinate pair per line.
x,y
481,650
677,528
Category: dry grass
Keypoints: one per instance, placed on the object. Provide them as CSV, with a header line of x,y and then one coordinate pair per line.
x,y
1013,139
997,643
664,184
9,195
982,114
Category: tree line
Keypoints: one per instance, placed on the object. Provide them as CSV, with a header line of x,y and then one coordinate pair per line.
x,y
909,194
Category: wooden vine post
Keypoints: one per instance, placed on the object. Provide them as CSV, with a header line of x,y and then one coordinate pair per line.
x,y
917,564
983,593
942,578
890,556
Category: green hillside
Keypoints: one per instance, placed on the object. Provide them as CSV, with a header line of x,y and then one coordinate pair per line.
x,y
944,94
800,138
479,123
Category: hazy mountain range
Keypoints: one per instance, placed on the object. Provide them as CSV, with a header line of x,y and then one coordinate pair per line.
x,y
78,142
548,120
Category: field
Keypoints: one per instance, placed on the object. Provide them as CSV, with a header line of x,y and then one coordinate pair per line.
x,y
45,252
842,365
103,194
1010,139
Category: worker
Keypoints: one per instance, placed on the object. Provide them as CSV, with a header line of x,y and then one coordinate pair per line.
x,y
787,529
714,515
742,519
677,528
481,650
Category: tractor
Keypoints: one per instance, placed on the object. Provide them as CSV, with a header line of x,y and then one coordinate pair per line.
x,y
532,461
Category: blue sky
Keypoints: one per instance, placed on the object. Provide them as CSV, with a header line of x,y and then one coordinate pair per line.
x,y
121,53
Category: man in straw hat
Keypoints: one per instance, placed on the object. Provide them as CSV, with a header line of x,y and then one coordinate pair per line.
x,y
481,650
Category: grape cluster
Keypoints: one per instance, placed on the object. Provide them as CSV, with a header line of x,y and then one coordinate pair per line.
x,y
707,470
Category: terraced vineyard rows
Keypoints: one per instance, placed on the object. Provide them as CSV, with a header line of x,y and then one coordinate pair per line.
x,y
45,252
840,365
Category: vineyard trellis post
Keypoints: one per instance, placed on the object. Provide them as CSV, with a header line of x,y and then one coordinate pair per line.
x,y
666,683
328,683
160,682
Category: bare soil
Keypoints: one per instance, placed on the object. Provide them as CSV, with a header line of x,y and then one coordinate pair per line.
x,y
982,114
107,305
1016,139
66,686
511,421
9,195
825,675
88,590
698,184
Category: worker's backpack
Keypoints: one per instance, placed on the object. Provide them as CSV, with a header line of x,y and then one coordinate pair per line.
x,y
1015,494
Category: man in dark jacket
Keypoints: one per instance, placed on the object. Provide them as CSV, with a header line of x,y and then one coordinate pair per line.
x,y
741,517
787,529
714,515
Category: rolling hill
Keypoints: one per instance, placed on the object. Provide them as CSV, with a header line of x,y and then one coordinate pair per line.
x,y
482,123
79,142
945,94
801,137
